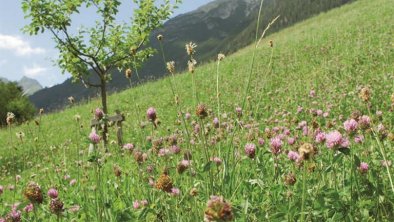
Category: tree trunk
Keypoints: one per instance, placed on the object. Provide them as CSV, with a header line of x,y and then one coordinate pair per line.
x,y
105,108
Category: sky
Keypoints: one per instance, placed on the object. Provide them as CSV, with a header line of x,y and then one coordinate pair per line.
x,y
33,56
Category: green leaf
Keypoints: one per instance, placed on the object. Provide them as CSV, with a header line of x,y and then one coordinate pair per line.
x,y
207,166
345,151
356,161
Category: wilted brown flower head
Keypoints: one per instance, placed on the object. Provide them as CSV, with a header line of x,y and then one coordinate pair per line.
x,y
271,43
117,171
218,210
160,37
290,179
33,193
356,115
138,156
201,111
164,183
306,151
56,206
193,192
171,67
190,48
128,73
365,94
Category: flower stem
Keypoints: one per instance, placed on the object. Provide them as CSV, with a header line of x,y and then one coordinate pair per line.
x,y
303,194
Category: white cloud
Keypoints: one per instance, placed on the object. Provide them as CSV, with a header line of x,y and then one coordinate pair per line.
x,y
18,45
34,71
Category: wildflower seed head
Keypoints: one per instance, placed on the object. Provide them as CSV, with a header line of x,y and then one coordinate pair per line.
x,y
190,48
271,43
201,111
20,135
306,151
138,156
171,67
193,192
33,193
365,94
128,73
71,99
221,56
41,111
191,64
10,118
160,37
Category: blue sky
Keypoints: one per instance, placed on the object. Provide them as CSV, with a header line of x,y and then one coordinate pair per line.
x,y
32,56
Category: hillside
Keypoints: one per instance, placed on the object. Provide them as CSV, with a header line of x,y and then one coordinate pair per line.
x,y
331,75
220,26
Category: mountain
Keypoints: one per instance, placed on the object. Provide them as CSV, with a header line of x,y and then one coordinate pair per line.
x,y
29,85
219,26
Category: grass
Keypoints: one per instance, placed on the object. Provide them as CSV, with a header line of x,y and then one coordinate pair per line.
x,y
335,54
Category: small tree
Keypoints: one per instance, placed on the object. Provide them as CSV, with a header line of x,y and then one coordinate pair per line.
x,y
100,49
13,100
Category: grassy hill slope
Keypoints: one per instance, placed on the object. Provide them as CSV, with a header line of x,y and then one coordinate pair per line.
x,y
334,54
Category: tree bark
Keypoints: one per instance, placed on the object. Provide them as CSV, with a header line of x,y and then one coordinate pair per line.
x,y
105,108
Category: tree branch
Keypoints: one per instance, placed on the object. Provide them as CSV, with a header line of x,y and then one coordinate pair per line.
x,y
88,84
78,53
127,56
